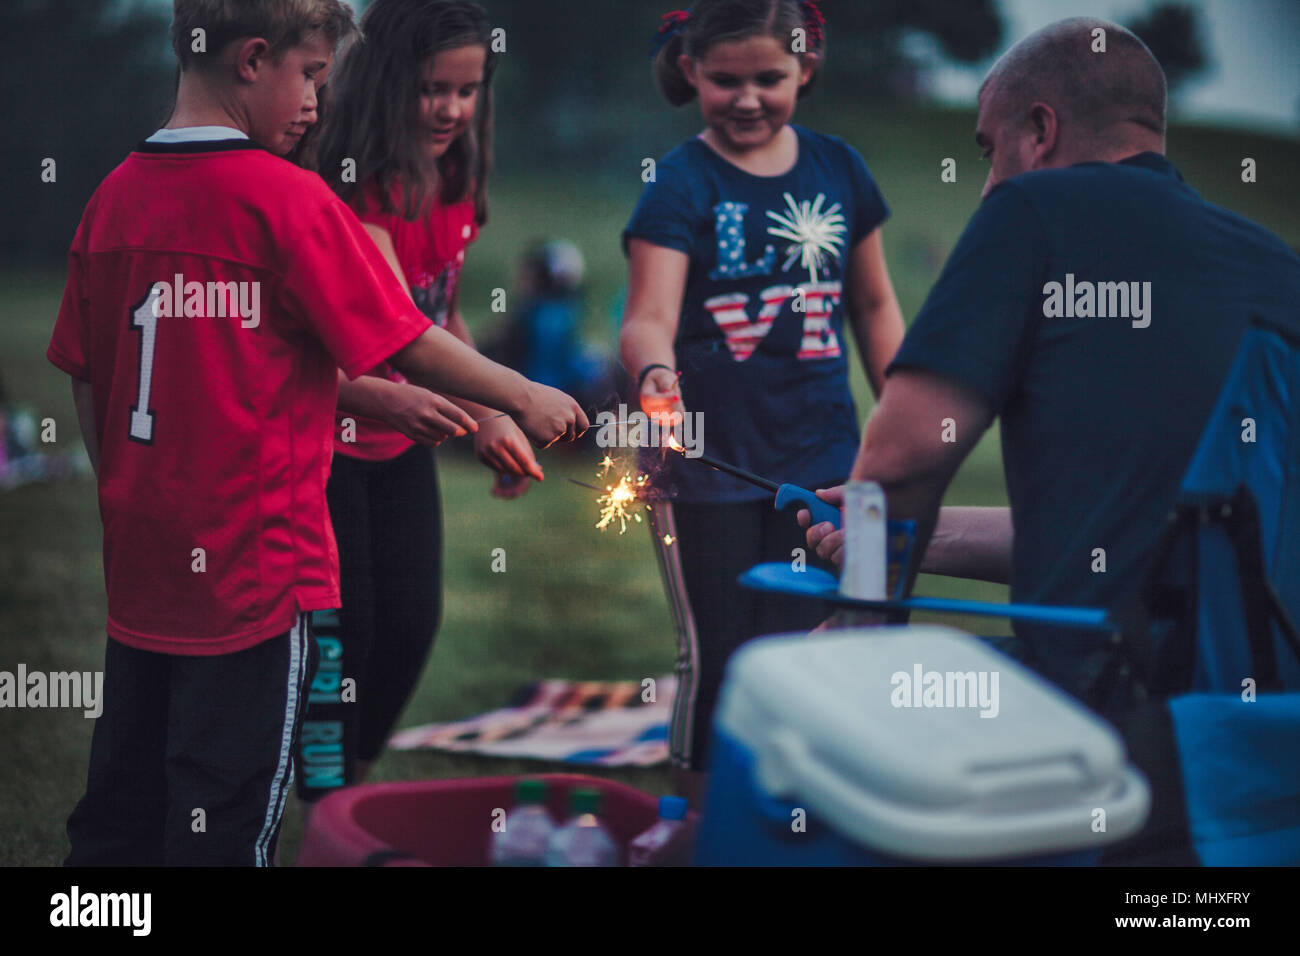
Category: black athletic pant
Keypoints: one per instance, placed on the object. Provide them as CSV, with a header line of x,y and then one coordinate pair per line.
x,y
388,523
192,758
712,545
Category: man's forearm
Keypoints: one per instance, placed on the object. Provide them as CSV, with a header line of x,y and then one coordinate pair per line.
x,y
971,543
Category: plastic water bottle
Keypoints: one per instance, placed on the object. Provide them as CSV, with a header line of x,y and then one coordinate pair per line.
x,y
668,842
583,841
528,829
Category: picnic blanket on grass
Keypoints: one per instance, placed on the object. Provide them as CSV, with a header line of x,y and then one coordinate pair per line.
x,y
599,723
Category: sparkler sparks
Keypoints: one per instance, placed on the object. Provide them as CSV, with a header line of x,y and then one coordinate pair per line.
x,y
618,502
621,501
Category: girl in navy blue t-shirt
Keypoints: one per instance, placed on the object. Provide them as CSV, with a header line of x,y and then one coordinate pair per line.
x,y
749,248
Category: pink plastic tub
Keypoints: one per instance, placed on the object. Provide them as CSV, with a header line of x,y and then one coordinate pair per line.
x,y
447,822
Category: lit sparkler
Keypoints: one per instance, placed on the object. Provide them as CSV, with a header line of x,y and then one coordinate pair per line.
x,y
726,468
618,501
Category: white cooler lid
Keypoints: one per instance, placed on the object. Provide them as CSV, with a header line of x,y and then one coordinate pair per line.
x,y
930,782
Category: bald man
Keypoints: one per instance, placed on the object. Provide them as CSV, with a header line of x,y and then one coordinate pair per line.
x,y
1094,304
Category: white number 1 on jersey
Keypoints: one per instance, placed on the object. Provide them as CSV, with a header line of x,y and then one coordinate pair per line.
x,y
145,319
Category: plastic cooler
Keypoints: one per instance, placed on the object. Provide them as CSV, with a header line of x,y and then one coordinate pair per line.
x,y
448,822
820,725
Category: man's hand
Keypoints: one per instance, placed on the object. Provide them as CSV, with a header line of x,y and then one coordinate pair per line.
x,y
825,538
550,415
426,417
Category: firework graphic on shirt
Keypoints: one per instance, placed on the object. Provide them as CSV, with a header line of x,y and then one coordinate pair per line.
x,y
815,235
433,296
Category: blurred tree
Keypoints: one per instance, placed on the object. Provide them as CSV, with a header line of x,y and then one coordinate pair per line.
x,y
867,49
1171,31
576,80
83,83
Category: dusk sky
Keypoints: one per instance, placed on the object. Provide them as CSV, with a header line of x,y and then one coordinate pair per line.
x,y
1253,47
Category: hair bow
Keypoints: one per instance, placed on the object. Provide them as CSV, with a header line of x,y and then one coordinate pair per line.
x,y
814,20
669,24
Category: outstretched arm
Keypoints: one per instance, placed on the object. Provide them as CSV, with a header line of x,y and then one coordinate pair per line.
x,y
499,443
972,543
441,362
419,414
656,283
919,434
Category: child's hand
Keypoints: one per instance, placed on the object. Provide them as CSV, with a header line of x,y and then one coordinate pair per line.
x,y
427,417
661,397
501,446
509,486
550,415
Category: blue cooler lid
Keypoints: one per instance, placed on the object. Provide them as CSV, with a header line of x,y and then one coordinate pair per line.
x,y
924,742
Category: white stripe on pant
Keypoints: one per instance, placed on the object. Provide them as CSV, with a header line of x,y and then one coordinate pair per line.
x,y
282,782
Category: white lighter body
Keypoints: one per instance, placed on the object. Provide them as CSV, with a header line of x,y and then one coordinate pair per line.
x,y
866,557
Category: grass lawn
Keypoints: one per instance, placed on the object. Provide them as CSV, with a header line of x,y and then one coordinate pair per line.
x,y
574,602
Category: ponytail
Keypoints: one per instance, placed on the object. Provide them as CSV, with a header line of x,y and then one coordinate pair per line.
x,y
668,46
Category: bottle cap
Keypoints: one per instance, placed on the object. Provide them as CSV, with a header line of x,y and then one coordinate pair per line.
x,y
530,791
673,808
585,801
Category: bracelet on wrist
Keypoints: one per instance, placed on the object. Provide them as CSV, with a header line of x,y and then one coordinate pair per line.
x,y
640,382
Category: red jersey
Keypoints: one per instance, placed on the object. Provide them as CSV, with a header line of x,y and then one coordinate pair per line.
x,y
431,252
213,290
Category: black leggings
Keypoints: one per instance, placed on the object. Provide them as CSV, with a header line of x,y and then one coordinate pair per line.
x,y
712,544
388,523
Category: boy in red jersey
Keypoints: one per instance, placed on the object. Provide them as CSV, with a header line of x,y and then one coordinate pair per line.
x,y
213,290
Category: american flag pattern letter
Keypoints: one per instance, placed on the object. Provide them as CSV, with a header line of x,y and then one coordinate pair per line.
x,y
814,236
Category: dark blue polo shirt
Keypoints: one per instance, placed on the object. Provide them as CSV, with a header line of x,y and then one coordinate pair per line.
x,y
1101,407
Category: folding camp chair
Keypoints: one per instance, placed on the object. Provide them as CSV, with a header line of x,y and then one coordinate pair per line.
x,y
1200,666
